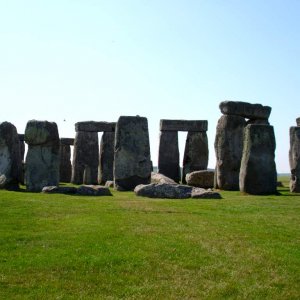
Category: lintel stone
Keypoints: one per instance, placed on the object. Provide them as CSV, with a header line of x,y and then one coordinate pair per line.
x,y
93,126
67,141
183,125
298,121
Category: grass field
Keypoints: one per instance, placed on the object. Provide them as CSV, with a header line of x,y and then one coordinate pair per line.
x,y
128,247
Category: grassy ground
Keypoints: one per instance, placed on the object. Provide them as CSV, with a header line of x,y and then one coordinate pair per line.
x,y
127,247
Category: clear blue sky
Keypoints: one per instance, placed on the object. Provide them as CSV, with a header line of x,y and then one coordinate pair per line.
x,y
96,60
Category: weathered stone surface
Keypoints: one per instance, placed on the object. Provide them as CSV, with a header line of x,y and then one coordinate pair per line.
x,y
10,156
160,178
65,167
106,156
298,121
85,158
93,190
132,162
229,148
163,190
21,137
168,155
203,178
258,122
42,159
92,126
59,190
195,153
258,174
183,125
109,184
67,141
200,193
294,158
245,109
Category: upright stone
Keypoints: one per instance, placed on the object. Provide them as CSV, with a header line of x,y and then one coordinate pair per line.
x,y
294,158
106,157
85,158
42,160
298,121
132,162
195,153
258,174
65,170
10,156
22,145
168,155
229,148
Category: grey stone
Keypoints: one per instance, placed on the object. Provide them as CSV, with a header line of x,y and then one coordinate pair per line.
x,y
203,178
183,125
85,158
294,158
200,193
163,190
168,155
298,121
245,109
258,174
160,178
258,122
65,167
10,156
132,162
67,141
92,126
106,157
195,154
109,184
43,155
59,190
93,190
229,148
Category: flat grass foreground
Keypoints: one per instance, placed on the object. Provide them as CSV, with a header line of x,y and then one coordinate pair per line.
x,y
128,247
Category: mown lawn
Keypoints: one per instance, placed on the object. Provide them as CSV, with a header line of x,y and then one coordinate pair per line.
x,y
128,247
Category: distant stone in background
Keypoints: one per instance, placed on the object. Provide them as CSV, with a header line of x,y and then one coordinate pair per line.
x,y
42,160
229,148
258,174
183,125
65,169
195,153
160,178
10,157
294,159
85,158
22,145
168,156
132,162
203,179
107,144
298,121
109,184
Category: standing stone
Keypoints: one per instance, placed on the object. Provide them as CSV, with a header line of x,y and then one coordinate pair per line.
x,y
258,174
294,158
65,169
22,145
42,160
168,156
298,121
229,148
132,162
195,153
106,157
85,158
10,156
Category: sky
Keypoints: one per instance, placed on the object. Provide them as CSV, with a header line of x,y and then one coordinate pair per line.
x,y
77,60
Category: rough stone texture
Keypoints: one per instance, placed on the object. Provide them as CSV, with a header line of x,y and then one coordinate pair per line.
x,y
203,179
200,193
160,178
93,190
132,162
42,159
168,155
106,157
229,148
258,122
183,125
163,190
258,174
246,110
59,190
92,126
298,121
109,184
10,156
294,158
67,141
85,158
65,168
195,153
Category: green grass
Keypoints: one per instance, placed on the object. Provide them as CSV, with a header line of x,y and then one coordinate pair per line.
x,y
128,247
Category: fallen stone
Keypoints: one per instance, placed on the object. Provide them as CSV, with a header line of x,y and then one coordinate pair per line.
x,y
59,190
109,184
245,109
92,126
163,190
93,190
160,178
294,159
183,125
203,179
200,193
